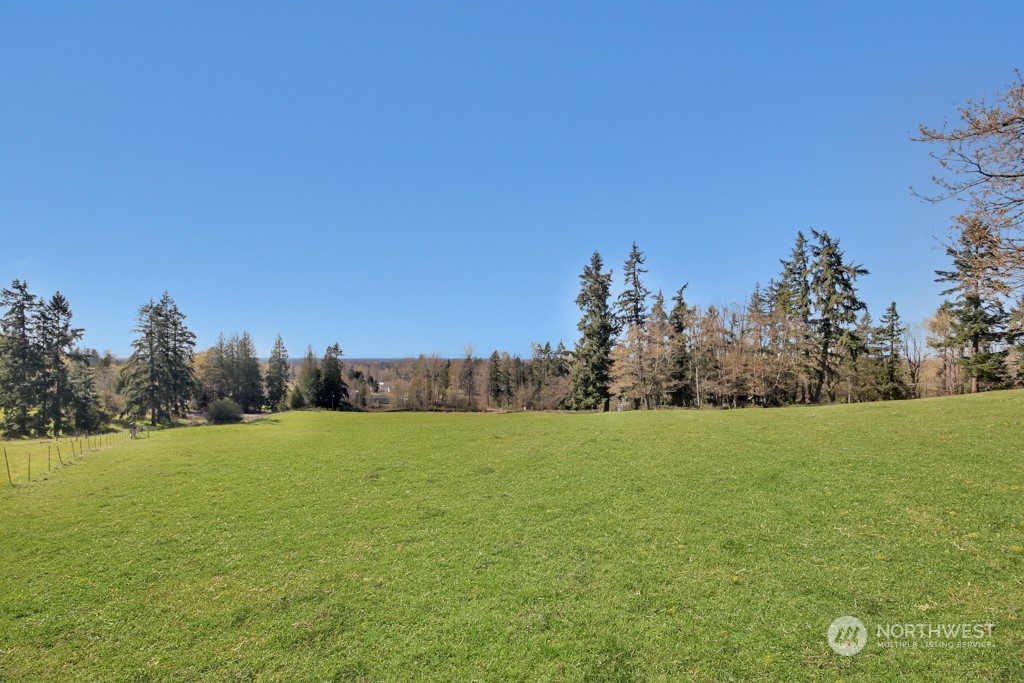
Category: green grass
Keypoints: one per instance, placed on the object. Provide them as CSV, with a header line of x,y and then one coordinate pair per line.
x,y
703,546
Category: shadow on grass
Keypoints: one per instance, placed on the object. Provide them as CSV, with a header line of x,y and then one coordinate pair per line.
x,y
269,420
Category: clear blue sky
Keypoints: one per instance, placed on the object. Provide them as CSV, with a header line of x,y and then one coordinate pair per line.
x,y
411,177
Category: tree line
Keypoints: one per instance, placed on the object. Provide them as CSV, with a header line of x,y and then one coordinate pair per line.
x,y
50,386
805,337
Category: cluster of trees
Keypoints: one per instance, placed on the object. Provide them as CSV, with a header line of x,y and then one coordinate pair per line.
x,y
538,383
46,384
231,370
165,377
50,386
321,383
805,338
502,380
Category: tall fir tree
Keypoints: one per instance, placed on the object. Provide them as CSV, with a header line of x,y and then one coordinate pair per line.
x,y
248,392
979,319
309,381
84,410
889,342
679,384
631,306
660,352
158,378
58,341
979,332
21,359
333,390
591,363
467,377
791,306
836,306
497,378
179,352
511,370
277,375
792,293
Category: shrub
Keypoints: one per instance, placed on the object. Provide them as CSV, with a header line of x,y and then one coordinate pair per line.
x,y
296,399
223,411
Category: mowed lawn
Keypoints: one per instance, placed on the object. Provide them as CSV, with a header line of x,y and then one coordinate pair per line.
x,y
673,545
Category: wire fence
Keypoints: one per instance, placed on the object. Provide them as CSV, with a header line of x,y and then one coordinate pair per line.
x,y
27,461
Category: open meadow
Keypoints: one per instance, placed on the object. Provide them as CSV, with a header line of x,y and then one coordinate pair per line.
x,y
670,545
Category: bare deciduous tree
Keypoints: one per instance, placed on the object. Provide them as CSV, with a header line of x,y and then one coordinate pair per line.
x,y
982,161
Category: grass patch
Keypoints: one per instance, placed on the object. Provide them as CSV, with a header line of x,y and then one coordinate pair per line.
x,y
636,546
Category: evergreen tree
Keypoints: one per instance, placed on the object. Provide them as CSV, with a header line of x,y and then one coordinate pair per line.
x,y
979,329
660,351
248,390
631,306
296,399
58,340
497,379
309,382
21,361
979,279
467,377
591,363
835,311
792,293
860,365
214,370
277,375
511,376
543,383
888,338
84,409
159,377
178,353
679,383
563,359
791,306
333,390
444,377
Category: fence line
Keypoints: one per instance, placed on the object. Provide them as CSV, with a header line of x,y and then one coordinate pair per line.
x,y
22,453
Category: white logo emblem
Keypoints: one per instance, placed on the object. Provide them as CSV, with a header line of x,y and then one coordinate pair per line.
x,y
847,636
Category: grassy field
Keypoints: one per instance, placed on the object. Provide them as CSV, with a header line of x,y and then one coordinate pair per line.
x,y
705,546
